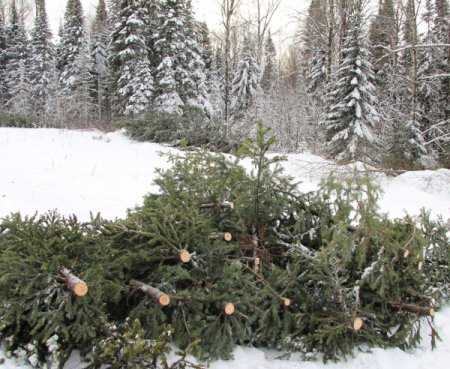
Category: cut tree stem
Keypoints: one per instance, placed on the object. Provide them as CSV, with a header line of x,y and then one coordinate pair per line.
x,y
227,236
421,310
223,205
75,284
160,297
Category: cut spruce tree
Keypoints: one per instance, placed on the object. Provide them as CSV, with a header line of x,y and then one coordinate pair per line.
x,y
53,292
322,272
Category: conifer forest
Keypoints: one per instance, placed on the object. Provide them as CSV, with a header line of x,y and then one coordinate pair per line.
x,y
300,206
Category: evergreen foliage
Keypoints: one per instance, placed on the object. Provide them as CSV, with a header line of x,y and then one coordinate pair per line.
x,y
245,84
434,65
128,348
99,60
133,79
72,46
3,90
41,69
315,49
383,34
16,57
38,313
192,129
269,76
352,116
181,77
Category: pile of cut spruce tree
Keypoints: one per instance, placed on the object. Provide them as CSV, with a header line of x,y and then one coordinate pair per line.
x,y
222,256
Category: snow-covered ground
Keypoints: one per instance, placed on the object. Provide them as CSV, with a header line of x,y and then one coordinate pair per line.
x,y
78,172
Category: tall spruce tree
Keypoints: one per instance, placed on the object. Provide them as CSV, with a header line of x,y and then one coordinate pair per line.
x,y
3,89
245,85
433,90
410,141
315,49
15,63
181,78
194,85
269,75
41,70
129,60
99,60
352,112
383,35
204,40
72,45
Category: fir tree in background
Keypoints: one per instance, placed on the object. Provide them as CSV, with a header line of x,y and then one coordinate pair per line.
x,y
382,34
316,73
169,44
132,77
72,46
429,92
181,77
411,140
245,84
434,90
168,100
42,64
270,56
194,83
99,60
204,41
16,63
352,116
216,81
3,89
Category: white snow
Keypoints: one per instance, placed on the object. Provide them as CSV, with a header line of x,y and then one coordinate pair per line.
x,y
83,171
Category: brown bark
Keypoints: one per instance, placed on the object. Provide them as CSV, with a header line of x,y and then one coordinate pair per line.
x,y
227,236
411,308
224,205
160,297
75,284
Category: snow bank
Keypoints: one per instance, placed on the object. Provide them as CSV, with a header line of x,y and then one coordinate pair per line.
x,y
78,172
75,172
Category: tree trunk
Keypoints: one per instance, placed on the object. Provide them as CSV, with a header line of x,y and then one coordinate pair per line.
x,y
160,297
75,284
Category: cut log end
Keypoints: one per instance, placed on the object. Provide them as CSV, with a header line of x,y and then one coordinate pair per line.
x,y
227,236
229,309
164,300
75,284
185,256
160,297
287,302
80,289
357,324
257,265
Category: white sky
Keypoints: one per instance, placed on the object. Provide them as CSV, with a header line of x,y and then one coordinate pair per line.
x,y
206,10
